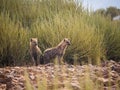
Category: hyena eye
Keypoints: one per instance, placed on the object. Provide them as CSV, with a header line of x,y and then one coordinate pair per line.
x,y
35,43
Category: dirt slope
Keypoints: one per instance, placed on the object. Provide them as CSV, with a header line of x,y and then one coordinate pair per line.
x,y
63,77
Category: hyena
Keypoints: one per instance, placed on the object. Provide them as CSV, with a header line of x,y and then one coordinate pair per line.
x,y
56,52
35,51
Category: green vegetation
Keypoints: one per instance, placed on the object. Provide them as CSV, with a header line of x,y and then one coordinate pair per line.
x,y
111,11
93,36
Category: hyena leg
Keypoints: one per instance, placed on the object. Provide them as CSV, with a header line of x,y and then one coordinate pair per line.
x,y
38,60
32,57
60,60
33,60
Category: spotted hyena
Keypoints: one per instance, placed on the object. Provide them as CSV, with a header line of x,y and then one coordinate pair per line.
x,y
56,52
35,51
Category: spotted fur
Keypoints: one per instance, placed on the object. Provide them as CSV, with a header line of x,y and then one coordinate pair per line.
x,y
56,52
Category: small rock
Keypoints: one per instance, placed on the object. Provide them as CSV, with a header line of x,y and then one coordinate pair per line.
x,y
106,82
2,86
75,86
32,77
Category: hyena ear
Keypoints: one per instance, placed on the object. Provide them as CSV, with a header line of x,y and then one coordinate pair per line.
x,y
31,39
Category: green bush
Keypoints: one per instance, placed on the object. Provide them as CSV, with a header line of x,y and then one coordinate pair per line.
x,y
93,36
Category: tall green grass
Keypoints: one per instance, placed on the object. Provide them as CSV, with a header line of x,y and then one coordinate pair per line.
x,y
93,36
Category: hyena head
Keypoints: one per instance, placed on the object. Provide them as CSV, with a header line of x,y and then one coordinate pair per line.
x,y
34,41
66,41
